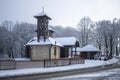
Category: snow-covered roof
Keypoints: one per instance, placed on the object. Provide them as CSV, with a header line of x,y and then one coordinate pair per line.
x,y
89,48
66,41
48,41
86,48
41,15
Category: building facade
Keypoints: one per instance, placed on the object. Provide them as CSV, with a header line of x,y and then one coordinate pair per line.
x,y
44,46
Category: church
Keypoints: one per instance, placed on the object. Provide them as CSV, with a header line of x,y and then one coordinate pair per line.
x,y
45,46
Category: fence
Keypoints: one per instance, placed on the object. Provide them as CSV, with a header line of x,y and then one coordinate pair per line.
x,y
12,64
7,64
62,62
29,64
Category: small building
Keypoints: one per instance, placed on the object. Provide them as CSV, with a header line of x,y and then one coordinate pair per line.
x,y
69,43
44,46
87,52
49,49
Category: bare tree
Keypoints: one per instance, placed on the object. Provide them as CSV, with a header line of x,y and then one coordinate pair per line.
x,y
85,28
8,25
23,33
6,43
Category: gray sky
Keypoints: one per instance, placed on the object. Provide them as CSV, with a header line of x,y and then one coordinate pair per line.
x,y
62,12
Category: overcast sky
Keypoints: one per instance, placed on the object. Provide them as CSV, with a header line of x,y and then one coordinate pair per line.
x,y
62,12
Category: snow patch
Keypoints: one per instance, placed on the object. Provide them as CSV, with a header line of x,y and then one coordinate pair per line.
x,y
21,59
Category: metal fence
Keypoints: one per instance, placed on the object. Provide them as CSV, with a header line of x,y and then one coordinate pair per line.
x,y
12,64
63,62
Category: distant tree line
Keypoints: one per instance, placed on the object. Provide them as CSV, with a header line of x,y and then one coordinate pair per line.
x,y
13,38
103,34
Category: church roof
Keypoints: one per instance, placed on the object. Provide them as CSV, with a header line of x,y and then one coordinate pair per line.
x,y
67,41
42,15
49,41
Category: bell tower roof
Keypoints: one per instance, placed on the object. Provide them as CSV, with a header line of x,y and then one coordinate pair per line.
x,y
40,15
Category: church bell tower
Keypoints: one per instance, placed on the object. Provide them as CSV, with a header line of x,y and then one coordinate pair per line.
x,y
42,26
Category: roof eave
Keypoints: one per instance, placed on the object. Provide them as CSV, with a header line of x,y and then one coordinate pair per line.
x,y
43,16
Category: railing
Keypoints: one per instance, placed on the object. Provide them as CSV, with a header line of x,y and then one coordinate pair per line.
x,y
12,64
62,62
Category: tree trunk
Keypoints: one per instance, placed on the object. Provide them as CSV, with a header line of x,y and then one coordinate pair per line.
x,y
106,45
117,51
111,47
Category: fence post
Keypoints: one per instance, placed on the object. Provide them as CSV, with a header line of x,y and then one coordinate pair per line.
x,y
44,63
14,64
70,61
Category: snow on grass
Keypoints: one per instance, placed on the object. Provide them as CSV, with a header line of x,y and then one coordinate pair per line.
x,y
88,63
21,59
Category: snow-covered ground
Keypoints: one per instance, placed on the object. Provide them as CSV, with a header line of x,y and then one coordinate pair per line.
x,y
88,63
21,59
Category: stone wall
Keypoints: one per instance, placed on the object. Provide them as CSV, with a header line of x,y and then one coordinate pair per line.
x,y
22,64
39,52
29,64
42,52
